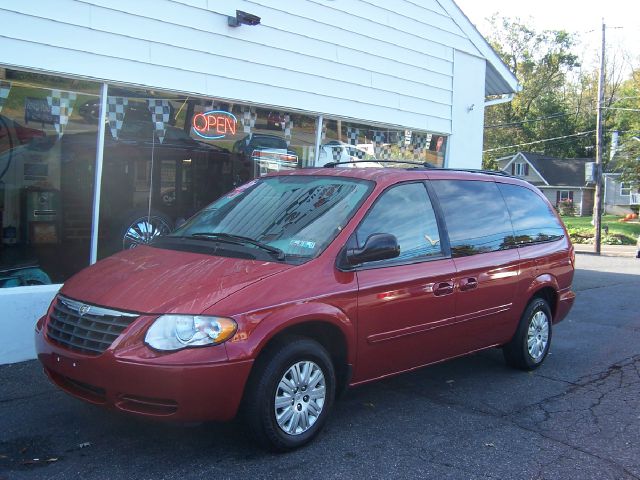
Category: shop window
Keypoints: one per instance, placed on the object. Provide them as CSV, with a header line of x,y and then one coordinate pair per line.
x,y
344,141
48,134
269,140
168,156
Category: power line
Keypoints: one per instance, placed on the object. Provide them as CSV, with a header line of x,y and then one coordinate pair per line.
x,y
538,141
566,141
520,122
625,109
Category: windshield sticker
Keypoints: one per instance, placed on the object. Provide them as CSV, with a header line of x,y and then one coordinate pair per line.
x,y
303,244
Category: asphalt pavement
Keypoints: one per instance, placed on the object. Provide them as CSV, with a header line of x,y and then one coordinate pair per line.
x,y
577,417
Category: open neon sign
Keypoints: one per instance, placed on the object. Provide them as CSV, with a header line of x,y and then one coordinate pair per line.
x,y
214,124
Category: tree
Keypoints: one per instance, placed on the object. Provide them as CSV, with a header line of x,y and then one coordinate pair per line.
x,y
541,61
626,120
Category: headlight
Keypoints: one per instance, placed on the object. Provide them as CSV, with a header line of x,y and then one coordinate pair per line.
x,y
174,332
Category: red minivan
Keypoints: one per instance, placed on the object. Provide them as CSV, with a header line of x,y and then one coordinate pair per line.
x,y
288,289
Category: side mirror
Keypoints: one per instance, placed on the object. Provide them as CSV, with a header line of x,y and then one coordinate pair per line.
x,y
379,246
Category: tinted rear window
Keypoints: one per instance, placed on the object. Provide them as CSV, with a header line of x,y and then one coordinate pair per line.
x,y
532,217
476,216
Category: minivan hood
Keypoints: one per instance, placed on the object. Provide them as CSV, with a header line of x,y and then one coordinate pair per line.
x,y
154,280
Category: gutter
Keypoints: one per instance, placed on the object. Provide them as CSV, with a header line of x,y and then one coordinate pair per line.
x,y
500,99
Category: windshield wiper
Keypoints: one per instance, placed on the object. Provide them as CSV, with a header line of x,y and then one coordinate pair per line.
x,y
240,240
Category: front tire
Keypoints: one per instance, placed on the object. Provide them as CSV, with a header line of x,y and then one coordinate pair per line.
x,y
530,345
290,394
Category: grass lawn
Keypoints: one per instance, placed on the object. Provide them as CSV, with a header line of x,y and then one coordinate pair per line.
x,y
620,233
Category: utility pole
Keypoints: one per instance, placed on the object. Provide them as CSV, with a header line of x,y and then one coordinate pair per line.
x,y
597,203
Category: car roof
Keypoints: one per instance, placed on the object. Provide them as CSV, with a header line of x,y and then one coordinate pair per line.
x,y
390,175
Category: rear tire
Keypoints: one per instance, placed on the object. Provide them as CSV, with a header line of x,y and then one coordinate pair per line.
x,y
290,394
530,344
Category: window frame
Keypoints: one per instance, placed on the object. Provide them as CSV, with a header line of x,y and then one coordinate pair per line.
x,y
627,187
569,196
511,246
551,211
343,266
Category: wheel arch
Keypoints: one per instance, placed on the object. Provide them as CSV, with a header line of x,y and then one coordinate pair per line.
x,y
545,287
333,334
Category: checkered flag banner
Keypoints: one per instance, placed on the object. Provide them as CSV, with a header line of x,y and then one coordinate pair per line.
x,y
5,87
61,104
378,143
402,142
385,154
352,135
356,152
205,107
336,153
419,145
287,126
115,113
249,117
160,112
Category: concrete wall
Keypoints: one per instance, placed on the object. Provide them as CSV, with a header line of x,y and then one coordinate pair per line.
x,y
21,308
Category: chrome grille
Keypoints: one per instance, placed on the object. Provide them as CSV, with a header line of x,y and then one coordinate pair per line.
x,y
85,328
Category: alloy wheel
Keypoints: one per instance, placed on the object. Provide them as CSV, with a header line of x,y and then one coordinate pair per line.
x,y
300,397
144,230
538,335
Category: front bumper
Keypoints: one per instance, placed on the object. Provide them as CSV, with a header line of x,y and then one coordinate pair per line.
x,y
182,386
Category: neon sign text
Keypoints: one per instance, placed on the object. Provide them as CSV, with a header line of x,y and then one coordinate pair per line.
x,y
214,124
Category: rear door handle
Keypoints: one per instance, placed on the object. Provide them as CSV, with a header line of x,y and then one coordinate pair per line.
x,y
468,284
443,288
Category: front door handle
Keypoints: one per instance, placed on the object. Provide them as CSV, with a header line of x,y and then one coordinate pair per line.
x,y
443,288
468,284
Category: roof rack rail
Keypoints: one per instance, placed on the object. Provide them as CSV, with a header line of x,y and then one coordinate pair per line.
x,y
422,164
426,165
498,173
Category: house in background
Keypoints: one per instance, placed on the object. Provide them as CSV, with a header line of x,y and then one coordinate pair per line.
x,y
560,179
618,196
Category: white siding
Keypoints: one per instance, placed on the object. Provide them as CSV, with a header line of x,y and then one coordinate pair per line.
x,y
361,59
465,143
614,202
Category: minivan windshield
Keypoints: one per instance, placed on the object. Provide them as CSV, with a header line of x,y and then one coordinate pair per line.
x,y
292,218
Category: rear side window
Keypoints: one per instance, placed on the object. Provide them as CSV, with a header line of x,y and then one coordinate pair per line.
x,y
532,218
406,212
476,216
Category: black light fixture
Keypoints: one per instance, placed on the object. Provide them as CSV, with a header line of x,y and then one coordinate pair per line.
x,y
243,18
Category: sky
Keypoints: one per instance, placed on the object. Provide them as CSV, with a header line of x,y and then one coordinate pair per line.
x,y
583,17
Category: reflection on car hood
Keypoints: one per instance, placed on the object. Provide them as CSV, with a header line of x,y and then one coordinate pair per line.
x,y
152,280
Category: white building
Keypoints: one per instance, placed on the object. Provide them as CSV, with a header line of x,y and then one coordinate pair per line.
x,y
229,103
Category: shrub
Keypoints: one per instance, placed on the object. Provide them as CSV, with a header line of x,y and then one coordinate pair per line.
x,y
566,208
